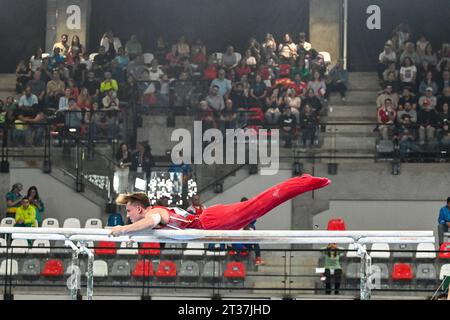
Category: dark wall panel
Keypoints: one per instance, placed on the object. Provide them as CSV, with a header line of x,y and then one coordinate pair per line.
x,y
22,30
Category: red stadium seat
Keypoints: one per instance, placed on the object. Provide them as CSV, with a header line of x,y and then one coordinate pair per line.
x,y
150,249
166,269
336,224
445,248
235,270
402,271
143,268
53,268
106,248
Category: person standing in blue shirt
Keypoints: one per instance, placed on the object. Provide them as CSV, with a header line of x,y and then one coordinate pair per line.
x,y
444,221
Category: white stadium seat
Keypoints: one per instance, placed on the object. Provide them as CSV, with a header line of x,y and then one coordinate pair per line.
x,y
9,267
93,224
72,223
426,247
445,271
8,222
3,245
19,243
194,249
40,247
50,223
380,255
127,248
100,268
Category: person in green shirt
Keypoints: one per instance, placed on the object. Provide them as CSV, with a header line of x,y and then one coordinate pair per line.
x,y
332,266
13,200
26,215
300,69
36,202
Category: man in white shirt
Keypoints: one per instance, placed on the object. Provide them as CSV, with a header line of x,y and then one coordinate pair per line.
x,y
28,99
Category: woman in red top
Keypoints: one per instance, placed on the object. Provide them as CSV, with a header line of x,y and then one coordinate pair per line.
x,y
219,217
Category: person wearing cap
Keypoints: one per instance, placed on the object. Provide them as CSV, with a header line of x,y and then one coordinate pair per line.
x,y
444,221
428,99
13,200
26,214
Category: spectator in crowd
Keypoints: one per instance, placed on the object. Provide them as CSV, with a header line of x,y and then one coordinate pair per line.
x,y
421,44
73,116
103,59
243,69
407,96
258,92
318,86
196,208
141,163
249,59
199,47
222,83
386,119
37,203
111,42
274,103
444,221
443,135
38,87
84,100
254,246
410,52
117,73
23,75
228,116
312,101
332,266
300,69
26,215
444,82
76,46
13,200
444,113
269,43
428,82
428,99
407,136
28,99
63,45
392,81
92,85
386,58
288,126
287,50
108,84
294,102
215,100
408,73
255,49
133,47
122,59
55,59
229,59
388,94
429,56
10,108
155,72
182,91
123,163
299,86
36,60
308,124
407,109
183,48
428,121
205,114
129,91
390,69
339,78
400,35
303,46
64,100
55,89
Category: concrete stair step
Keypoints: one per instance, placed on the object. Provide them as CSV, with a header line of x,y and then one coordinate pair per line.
x,y
353,142
362,96
340,129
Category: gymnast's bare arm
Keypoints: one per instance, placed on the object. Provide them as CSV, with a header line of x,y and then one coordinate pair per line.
x,y
152,218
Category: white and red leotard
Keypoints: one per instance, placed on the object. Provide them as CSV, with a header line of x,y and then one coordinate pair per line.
x,y
237,215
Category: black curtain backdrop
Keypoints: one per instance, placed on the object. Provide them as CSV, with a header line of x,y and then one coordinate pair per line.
x,y
22,30
217,23
428,17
